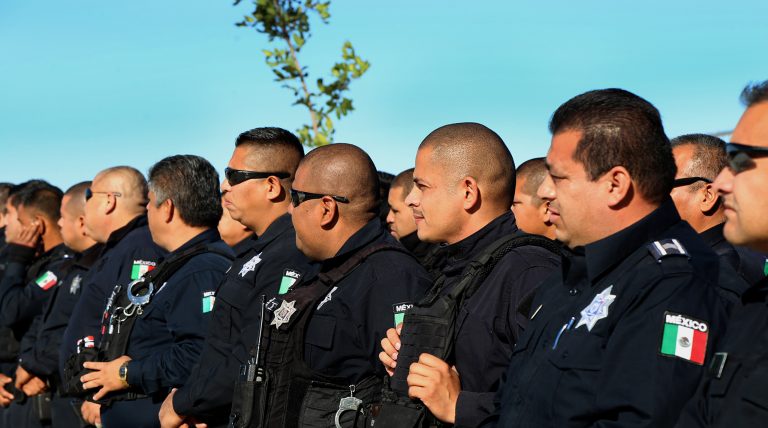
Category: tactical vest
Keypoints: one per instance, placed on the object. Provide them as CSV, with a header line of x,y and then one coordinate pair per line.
x,y
276,388
430,327
124,306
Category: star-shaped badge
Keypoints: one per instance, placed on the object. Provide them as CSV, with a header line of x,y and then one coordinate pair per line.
x,y
596,310
250,265
283,313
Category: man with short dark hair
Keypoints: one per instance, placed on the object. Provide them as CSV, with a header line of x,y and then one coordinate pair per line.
x,y
155,327
699,159
532,212
464,182
733,392
621,336
36,256
400,219
115,215
5,189
256,191
321,342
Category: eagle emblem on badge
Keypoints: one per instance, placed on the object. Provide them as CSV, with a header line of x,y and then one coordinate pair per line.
x,y
283,313
596,310
250,265
74,287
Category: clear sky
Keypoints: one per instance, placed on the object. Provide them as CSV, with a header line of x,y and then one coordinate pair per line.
x,y
89,84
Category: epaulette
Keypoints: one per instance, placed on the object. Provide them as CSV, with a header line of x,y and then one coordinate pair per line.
x,y
666,247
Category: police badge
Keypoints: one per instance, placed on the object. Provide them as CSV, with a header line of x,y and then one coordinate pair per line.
x,y
283,313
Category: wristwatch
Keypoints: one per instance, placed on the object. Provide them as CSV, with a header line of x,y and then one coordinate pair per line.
x,y
123,373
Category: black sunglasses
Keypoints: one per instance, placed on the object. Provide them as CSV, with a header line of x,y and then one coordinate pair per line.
x,y
740,156
89,194
679,182
298,197
237,176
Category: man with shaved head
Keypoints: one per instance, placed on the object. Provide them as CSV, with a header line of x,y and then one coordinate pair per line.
x,y
256,195
532,212
321,342
464,183
115,216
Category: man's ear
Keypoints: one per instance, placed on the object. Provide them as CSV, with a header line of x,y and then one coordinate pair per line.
x,y
328,210
168,210
617,185
274,189
81,225
470,192
708,198
110,204
43,224
543,210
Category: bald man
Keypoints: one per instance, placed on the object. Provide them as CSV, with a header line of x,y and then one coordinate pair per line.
x,y
464,182
115,216
321,342
532,212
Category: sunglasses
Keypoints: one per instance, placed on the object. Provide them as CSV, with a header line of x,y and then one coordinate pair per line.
x,y
298,197
89,193
237,176
688,181
740,156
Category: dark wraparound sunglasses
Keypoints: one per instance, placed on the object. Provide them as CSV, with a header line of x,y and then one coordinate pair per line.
x,y
89,193
298,197
688,181
740,156
237,176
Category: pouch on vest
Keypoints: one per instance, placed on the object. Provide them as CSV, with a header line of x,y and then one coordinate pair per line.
x,y
430,326
73,370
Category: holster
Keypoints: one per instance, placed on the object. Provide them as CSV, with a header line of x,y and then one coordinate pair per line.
x,y
41,404
249,395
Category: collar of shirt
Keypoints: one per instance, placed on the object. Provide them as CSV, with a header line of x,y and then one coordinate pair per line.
x,y
460,253
206,236
275,230
714,235
119,234
602,255
87,258
243,246
372,231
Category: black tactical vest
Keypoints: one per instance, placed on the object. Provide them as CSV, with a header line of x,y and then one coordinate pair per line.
x,y
276,388
430,327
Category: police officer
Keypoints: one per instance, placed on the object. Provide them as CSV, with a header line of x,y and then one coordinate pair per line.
x,y
5,189
320,347
41,358
256,190
622,335
400,218
464,182
532,212
36,256
155,334
733,391
699,158
115,215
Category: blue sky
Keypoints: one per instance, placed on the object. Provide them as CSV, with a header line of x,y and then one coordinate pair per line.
x,y
89,84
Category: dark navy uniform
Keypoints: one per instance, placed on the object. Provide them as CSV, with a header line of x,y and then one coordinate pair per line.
x,y
491,320
733,392
128,253
622,336
749,264
343,337
42,358
167,338
272,261
24,290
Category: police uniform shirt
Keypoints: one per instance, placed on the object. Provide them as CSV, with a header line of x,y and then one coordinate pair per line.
x,y
41,359
749,264
127,255
490,321
166,339
733,392
344,334
622,336
262,267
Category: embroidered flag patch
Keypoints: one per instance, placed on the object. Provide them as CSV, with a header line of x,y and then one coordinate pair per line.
x,y
140,267
46,280
684,337
209,298
399,310
290,277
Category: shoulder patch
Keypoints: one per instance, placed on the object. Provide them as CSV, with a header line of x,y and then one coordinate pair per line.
x,y
684,337
666,247
140,267
47,280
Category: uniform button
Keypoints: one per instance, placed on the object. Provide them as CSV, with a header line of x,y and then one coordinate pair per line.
x,y
573,291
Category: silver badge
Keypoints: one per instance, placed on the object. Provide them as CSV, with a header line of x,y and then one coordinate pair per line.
x,y
250,265
283,313
74,287
596,310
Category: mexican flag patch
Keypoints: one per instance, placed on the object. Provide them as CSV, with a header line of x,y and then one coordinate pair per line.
x,y
209,298
684,337
140,267
46,280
